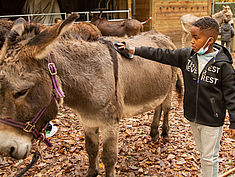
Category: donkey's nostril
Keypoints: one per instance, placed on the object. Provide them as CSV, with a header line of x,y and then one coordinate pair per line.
x,y
12,150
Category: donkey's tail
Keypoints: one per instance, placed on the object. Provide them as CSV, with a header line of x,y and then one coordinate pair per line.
x,y
179,86
146,20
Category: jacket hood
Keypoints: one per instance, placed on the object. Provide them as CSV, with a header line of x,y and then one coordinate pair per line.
x,y
226,27
223,54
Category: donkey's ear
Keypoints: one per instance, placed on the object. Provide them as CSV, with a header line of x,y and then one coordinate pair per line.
x,y
14,35
16,30
40,43
100,15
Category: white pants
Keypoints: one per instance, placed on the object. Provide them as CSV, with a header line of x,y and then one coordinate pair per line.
x,y
207,140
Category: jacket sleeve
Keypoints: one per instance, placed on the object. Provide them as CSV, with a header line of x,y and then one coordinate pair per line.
x,y
165,56
228,86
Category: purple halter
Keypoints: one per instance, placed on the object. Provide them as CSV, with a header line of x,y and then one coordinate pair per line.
x,y
29,127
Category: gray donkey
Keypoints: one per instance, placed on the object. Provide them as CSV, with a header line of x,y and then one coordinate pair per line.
x,y
98,83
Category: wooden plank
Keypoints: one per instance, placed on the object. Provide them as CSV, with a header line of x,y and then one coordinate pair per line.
x,y
129,7
166,14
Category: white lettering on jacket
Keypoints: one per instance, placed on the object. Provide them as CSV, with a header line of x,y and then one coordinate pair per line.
x,y
191,67
209,79
213,69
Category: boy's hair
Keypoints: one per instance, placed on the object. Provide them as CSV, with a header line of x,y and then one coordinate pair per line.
x,y
208,25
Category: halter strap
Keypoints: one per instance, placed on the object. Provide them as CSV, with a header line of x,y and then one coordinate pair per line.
x,y
29,127
53,72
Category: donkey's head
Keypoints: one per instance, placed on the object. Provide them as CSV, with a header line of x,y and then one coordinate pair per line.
x,y
25,83
97,18
222,15
226,8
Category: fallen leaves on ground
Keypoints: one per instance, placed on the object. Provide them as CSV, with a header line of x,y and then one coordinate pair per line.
x,y
137,155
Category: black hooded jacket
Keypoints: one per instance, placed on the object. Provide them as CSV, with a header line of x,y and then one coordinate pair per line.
x,y
226,32
208,95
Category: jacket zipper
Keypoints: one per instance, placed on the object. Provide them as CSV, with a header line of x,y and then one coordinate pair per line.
x,y
197,89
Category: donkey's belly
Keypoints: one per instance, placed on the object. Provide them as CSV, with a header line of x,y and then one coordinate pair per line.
x,y
135,109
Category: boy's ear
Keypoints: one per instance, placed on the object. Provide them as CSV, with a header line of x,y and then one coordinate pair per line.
x,y
211,40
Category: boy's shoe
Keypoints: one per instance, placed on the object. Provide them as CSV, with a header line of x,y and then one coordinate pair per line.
x,y
51,130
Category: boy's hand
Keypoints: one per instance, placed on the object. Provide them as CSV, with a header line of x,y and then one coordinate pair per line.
x,y
124,49
232,133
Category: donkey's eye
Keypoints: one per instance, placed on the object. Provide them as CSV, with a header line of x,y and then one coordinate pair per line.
x,y
21,93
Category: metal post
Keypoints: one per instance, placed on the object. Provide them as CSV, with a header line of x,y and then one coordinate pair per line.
x,y
213,7
87,15
133,14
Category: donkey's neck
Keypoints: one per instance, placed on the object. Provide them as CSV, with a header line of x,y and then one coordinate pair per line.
x,y
218,17
82,67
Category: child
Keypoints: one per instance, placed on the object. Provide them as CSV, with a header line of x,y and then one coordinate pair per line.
x,y
209,86
227,34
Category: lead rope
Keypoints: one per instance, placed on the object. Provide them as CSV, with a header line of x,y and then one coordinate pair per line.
x,y
35,158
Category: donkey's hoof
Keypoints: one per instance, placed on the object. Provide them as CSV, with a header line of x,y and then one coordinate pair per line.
x,y
92,173
165,140
164,135
155,139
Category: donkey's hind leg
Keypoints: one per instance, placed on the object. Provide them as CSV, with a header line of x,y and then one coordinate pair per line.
x,y
92,148
110,148
166,107
165,125
154,133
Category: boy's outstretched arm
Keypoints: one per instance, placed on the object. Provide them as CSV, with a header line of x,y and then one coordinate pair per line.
x,y
165,56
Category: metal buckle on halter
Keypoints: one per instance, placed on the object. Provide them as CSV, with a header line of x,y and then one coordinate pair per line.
x,y
50,70
28,128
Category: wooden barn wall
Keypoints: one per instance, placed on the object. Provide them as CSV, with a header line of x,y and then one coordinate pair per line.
x,y
166,15
143,12
121,5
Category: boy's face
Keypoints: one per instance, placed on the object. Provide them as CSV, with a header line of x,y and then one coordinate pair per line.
x,y
199,38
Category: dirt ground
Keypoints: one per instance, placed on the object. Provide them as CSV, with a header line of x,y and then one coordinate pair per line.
x,y
137,155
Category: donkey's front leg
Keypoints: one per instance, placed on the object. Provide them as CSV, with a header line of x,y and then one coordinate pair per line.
x,y
110,147
92,148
